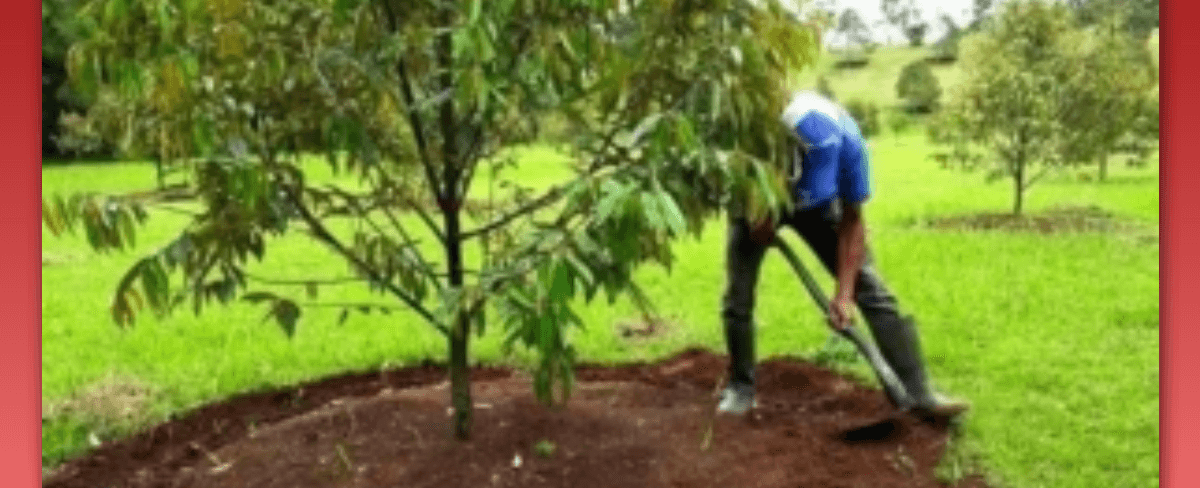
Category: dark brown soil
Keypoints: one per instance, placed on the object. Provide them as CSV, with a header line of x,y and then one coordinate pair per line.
x,y
625,426
1052,221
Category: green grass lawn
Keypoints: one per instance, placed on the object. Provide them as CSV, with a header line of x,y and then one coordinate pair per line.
x,y
1054,339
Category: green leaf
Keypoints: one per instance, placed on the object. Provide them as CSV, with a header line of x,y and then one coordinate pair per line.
x,y
123,314
65,219
93,235
178,251
286,313
162,280
127,233
257,246
613,200
151,285
342,9
546,332
473,18
671,213
561,287
50,218
567,373
685,132
518,297
581,269
226,289
651,211
646,126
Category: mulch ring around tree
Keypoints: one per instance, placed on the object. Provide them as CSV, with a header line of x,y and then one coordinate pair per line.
x,y
1067,219
625,426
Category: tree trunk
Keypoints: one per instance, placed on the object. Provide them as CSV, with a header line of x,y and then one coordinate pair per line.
x,y
1019,185
451,204
1019,172
1103,166
460,380
159,172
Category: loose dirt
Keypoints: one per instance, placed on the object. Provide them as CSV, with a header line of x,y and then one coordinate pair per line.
x,y
1057,220
625,426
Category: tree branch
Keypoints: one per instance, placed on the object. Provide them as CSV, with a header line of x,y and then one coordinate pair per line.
x,y
1038,176
414,119
426,268
427,219
452,164
551,195
349,305
471,161
174,210
518,269
321,233
381,203
547,198
325,281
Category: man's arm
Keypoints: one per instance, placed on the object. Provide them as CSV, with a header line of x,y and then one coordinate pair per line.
x,y
851,236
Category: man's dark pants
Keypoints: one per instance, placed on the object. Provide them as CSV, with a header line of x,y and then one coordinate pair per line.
x,y
818,227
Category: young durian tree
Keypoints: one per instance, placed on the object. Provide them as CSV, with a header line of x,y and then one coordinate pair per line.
x,y
672,106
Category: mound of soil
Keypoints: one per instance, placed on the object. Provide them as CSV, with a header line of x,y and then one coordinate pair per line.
x,y
1056,220
629,426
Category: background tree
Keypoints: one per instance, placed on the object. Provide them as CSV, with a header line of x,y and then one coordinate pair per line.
x,y
853,28
1006,114
953,31
904,15
946,48
918,88
1140,16
916,34
979,13
1115,96
866,114
672,104
60,28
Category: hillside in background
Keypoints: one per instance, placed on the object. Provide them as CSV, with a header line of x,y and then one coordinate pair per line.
x,y
876,81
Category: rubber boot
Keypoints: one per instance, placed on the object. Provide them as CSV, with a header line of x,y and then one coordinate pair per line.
x,y
899,343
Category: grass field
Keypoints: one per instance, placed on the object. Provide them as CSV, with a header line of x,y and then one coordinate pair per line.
x,y
1054,339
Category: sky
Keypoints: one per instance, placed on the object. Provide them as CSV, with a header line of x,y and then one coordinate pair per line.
x,y
931,10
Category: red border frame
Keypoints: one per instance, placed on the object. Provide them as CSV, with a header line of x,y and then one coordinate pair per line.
x,y
21,348
20,351
1179,433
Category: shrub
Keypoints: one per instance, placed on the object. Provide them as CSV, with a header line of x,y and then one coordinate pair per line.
x,y
824,89
918,87
945,52
866,114
899,122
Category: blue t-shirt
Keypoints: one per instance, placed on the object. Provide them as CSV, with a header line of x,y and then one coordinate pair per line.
x,y
832,155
